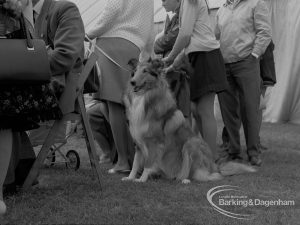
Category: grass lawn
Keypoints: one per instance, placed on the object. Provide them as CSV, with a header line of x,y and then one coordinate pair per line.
x,y
68,197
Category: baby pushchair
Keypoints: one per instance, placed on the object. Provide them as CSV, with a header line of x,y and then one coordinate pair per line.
x,y
56,154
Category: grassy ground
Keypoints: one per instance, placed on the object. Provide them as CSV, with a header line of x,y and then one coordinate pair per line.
x,y
68,197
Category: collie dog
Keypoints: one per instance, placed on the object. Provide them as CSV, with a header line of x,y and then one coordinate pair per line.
x,y
166,142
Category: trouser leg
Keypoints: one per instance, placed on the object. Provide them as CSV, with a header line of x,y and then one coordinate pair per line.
x,y
123,141
100,128
229,105
248,80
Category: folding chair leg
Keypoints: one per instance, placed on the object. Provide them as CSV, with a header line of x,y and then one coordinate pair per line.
x,y
34,171
89,139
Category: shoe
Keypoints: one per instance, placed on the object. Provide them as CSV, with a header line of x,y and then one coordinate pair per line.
x,y
226,157
104,160
123,171
236,157
255,160
2,207
223,157
262,147
224,146
9,189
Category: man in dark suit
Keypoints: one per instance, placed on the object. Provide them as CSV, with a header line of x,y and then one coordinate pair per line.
x,y
60,25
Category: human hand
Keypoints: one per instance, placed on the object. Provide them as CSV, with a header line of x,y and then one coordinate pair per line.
x,y
169,69
168,60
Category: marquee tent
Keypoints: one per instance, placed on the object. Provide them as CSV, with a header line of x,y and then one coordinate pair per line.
x,y
283,103
284,98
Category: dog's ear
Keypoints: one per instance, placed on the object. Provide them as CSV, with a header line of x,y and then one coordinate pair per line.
x,y
158,64
133,64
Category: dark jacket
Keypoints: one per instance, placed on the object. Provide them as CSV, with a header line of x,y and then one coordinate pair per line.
x,y
61,26
267,66
164,44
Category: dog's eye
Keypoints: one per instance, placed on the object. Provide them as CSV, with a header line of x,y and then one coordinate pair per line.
x,y
132,74
152,73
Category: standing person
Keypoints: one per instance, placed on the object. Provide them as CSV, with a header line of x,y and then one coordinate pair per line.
x,y
123,31
268,77
243,27
196,39
22,107
164,42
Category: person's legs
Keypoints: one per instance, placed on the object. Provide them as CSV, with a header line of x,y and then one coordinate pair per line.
x,y
225,138
205,118
5,153
101,130
230,110
121,135
261,109
248,79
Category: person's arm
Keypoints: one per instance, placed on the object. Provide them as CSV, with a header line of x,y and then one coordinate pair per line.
x,y
263,29
188,20
157,48
146,52
107,18
217,28
166,42
68,40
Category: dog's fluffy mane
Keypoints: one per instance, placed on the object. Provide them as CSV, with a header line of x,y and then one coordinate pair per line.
x,y
153,91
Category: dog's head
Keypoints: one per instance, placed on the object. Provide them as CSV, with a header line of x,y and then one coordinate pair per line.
x,y
146,75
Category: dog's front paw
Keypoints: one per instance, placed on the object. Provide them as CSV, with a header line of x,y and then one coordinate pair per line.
x,y
140,180
127,178
186,181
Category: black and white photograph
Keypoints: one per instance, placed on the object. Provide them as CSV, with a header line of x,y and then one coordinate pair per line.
x,y
155,112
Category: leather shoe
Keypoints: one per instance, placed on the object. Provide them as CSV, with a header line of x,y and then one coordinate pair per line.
x,y
113,171
255,160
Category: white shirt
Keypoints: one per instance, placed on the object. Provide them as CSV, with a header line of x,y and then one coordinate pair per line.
x,y
38,8
195,20
128,19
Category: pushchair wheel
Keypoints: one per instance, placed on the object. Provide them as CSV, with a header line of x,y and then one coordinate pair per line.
x,y
73,160
50,160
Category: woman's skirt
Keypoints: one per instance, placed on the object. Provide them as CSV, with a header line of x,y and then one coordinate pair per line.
x,y
209,73
114,79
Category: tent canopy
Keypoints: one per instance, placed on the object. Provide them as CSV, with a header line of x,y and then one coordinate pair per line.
x,y
284,99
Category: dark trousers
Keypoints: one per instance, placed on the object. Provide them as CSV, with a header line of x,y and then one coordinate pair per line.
x,y
21,160
101,128
242,96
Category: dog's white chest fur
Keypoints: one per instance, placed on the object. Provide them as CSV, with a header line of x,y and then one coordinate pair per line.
x,y
138,125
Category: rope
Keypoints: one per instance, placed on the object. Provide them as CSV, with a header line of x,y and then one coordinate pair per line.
x,y
106,55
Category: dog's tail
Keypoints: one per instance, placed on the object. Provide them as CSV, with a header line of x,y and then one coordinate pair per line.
x,y
205,175
233,168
